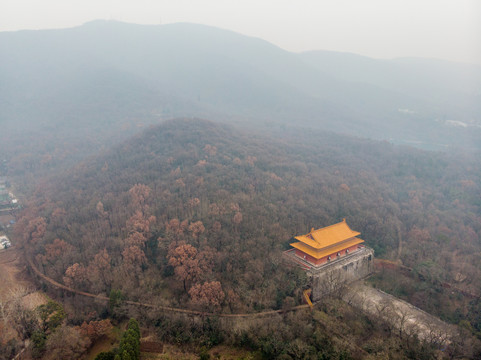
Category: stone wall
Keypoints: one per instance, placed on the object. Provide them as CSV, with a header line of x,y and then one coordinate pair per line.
x,y
400,314
331,277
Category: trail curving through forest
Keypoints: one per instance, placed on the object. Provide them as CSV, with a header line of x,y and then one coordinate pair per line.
x,y
159,307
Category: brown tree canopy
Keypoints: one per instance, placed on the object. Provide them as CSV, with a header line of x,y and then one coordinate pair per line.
x,y
66,343
208,294
155,217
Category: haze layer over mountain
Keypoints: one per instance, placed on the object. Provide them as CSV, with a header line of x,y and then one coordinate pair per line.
x,y
97,80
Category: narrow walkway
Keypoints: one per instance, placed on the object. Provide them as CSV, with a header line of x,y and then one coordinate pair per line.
x,y
159,307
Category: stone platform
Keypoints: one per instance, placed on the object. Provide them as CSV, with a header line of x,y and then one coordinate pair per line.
x,y
332,276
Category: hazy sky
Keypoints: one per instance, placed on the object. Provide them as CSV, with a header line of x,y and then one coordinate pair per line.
x,y
447,29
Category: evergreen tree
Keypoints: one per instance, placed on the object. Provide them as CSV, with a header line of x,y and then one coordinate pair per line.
x,y
109,355
130,342
134,325
126,355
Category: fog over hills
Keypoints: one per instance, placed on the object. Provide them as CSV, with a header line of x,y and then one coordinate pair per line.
x,y
103,74
452,88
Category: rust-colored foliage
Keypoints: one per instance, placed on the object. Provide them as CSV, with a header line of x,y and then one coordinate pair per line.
x,y
175,229
100,210
35,230
75,275
196,229
94,330
216,226
344,187
56,250
139,223
237,219
210,150
101,261
419,235
134,257
188,263
209,294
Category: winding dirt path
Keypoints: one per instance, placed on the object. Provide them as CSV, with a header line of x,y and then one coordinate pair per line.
x,y
159,307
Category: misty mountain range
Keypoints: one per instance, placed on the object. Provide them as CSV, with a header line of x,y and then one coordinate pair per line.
x,y
106,77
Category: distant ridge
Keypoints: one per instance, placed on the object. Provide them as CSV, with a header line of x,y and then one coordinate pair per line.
x,y
50,76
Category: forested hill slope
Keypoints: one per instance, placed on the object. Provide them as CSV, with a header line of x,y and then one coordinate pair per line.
x,y
192,207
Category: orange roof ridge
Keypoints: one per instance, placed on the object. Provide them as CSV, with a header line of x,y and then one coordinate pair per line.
x,y
328,236
329,226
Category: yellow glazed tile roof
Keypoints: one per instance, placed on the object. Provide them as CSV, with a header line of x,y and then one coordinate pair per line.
x,y
316,253
328,235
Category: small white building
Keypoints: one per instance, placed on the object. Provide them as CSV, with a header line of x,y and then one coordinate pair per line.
x,y
4,242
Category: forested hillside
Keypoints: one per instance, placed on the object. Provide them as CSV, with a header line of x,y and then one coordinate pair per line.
x,y
192,213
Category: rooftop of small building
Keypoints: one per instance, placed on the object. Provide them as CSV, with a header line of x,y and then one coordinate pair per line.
x,y
328,236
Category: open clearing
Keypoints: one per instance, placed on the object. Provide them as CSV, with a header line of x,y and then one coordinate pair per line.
x,y
11,273
15,284
15,281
